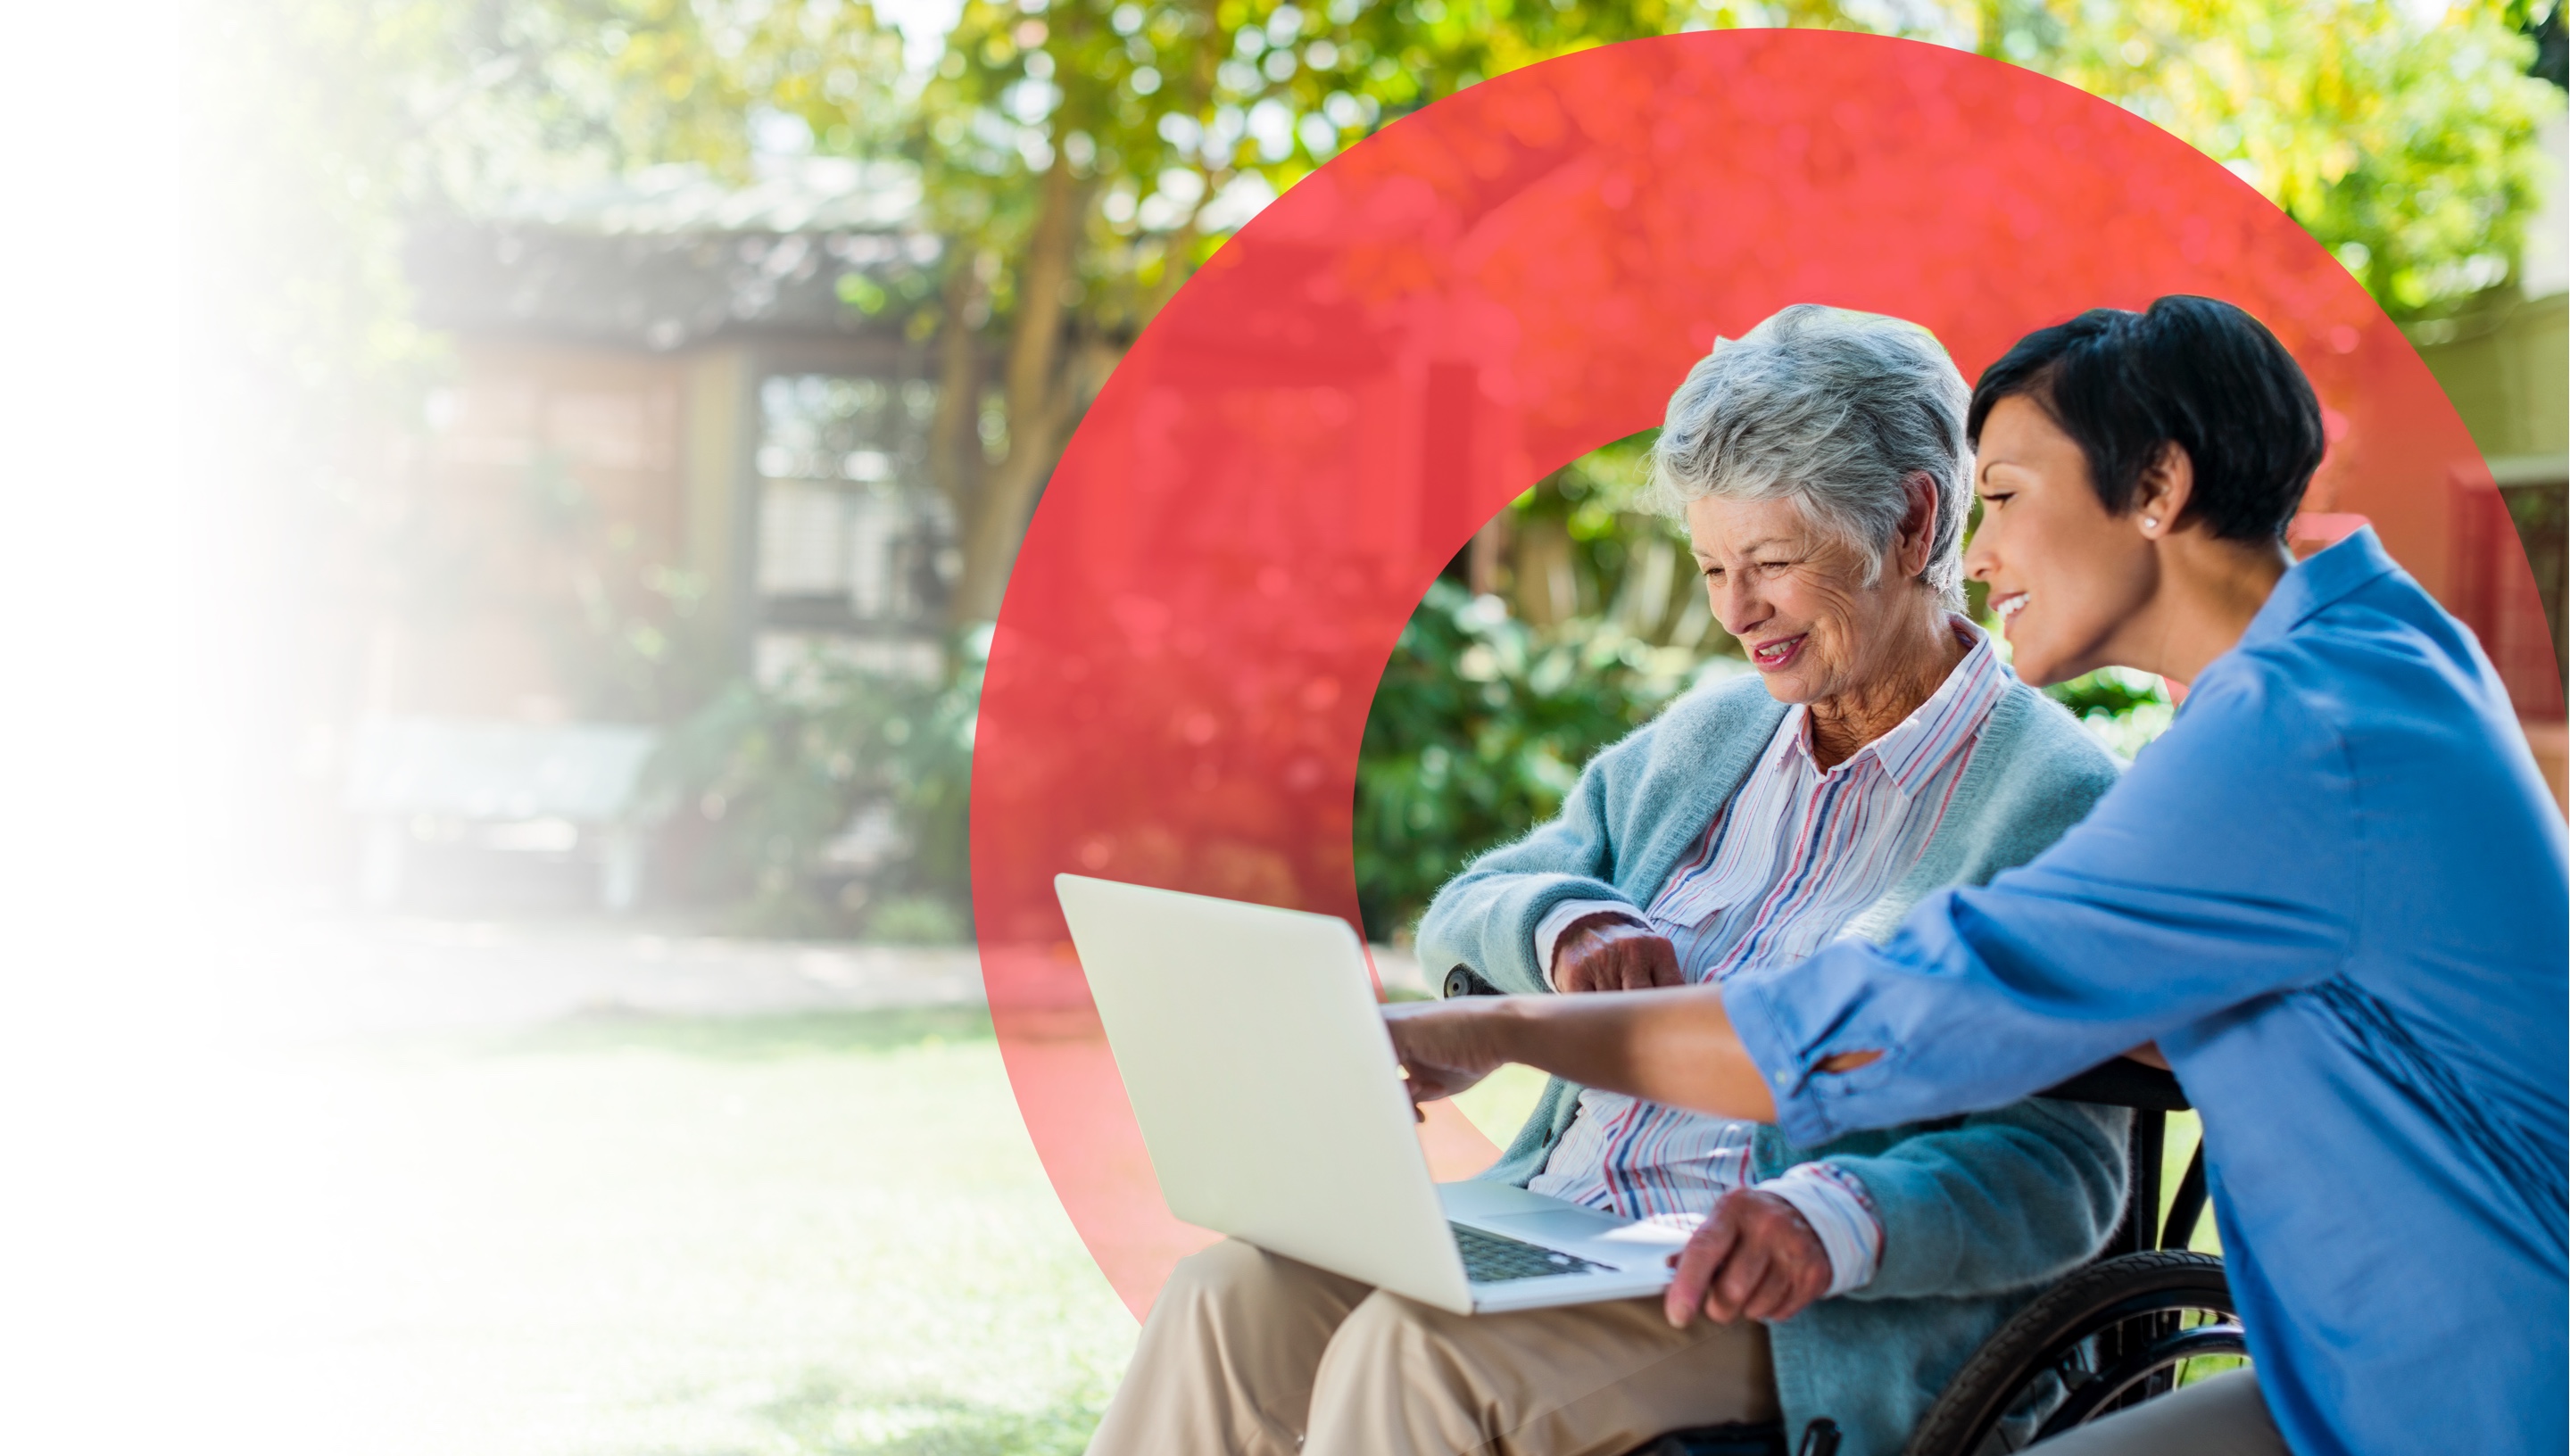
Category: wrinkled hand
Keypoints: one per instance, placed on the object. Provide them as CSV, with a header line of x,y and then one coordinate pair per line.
x,y
1755,1257
1444,1046
1603,953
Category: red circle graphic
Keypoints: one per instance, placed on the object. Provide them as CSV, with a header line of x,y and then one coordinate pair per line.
x,y
1478,294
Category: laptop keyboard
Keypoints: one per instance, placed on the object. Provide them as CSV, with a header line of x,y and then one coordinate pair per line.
x,y
1489,1259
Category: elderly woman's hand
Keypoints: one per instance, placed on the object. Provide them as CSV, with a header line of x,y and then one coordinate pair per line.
x,y
1609,955
1755,1257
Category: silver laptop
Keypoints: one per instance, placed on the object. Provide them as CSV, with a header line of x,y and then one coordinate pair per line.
x,y
1273,1108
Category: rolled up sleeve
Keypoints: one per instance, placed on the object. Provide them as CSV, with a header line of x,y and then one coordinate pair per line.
x,y
1841,1214
1558,921
1486,918
2224,867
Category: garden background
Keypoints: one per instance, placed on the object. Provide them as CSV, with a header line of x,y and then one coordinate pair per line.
x,y
628,411
501,265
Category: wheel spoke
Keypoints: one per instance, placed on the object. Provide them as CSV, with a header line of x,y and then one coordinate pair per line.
x,y
2138,1376
2121,1331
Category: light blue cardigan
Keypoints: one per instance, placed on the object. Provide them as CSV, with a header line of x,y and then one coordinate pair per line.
x,y
1977,1211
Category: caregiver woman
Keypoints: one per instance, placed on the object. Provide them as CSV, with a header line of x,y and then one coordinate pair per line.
x,y
2334,893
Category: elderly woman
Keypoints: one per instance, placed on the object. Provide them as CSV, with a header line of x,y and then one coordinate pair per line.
x,y
1881,751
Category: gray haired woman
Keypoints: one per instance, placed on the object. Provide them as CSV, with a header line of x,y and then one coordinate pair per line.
x,y
1879,750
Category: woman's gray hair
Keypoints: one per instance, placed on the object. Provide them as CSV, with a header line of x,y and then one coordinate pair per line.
x,y
1833,409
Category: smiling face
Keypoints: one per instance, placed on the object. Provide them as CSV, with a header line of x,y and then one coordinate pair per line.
x,y
1795,597
2065,577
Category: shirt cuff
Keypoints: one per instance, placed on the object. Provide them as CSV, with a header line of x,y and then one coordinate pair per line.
x,y
1557,923
1799,1114
1834,1202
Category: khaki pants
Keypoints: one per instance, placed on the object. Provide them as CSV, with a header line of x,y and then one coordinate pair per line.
x,y
1249,1353
2223,1416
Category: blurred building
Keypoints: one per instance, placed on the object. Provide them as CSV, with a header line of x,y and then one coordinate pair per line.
x,y
687,438
2506,367
679,441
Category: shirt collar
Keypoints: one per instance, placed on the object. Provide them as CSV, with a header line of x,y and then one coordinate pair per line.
x,y
1919,744
2312,585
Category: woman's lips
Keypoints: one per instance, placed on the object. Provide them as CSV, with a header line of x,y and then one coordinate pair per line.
x,y
1774,656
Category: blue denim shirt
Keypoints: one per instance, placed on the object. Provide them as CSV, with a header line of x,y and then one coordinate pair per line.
x,y
2335,893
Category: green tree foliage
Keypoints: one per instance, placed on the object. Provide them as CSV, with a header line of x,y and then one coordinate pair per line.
x,y
1083,157
1087,154
1580,545
1479,729
2401,135
2123,708
2403,142
1570,620
347,120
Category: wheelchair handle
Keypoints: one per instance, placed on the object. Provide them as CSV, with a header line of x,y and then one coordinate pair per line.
x,y
1463,980
2123,1082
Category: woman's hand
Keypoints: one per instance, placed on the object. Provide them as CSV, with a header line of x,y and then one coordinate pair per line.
x,y
1755,1257
1603,953
1444,1046
1675,1046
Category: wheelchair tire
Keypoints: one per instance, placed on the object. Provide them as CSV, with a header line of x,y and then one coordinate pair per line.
x,y
2114,1335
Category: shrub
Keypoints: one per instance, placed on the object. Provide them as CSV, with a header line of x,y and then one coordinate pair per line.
x,y
1479,729
835,802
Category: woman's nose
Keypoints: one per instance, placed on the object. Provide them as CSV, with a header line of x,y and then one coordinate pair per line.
x,y
1980,557
1737,608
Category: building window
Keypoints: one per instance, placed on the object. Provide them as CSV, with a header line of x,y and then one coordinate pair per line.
x,y
855,541
2516,626
2540,511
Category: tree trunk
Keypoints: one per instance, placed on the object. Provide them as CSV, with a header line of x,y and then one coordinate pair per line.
x,y
1038,400
955,461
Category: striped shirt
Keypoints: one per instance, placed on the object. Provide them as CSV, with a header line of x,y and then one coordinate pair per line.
x,y
1793,855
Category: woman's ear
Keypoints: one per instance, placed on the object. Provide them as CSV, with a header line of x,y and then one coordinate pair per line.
x,y
1917,540
2161,496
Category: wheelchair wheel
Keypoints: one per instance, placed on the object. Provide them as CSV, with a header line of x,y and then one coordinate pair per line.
x,y
2112,1336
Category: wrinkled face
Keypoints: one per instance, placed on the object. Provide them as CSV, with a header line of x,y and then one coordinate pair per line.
x,y
2065,576
1795,597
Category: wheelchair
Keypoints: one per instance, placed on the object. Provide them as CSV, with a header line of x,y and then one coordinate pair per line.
x,y
2145,1316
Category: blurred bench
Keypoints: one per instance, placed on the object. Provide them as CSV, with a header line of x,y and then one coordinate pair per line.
x,y
559,788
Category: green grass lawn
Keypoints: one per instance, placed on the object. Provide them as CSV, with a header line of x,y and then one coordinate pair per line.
x,y
1499,1103
2184,1132
818,1234
761,1237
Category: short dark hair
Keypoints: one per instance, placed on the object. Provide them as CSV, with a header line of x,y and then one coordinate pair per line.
x,y
2198,372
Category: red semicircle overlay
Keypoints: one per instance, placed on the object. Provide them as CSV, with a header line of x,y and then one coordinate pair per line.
x,y
1478,294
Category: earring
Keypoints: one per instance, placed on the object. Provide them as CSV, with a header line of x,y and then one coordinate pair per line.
x,y
2150,523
